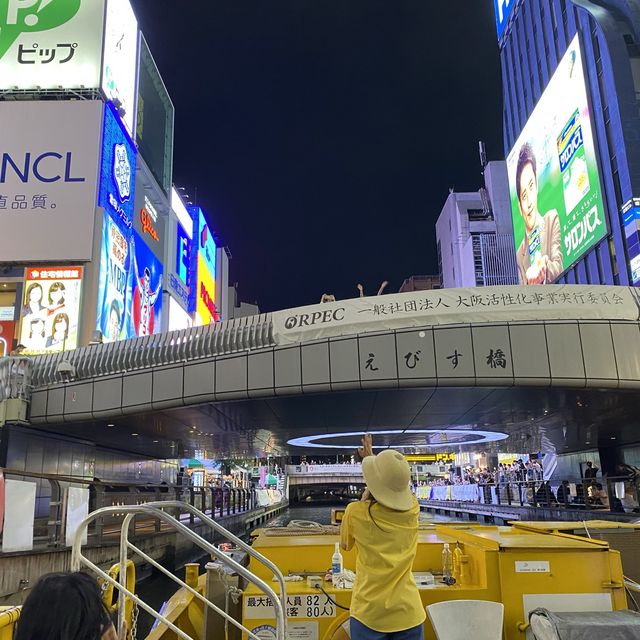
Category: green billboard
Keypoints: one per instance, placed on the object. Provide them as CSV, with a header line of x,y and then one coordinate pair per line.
x,y
556,196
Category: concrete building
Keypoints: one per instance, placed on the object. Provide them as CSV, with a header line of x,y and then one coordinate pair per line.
x,y
237,309
541,43
474,235
420,283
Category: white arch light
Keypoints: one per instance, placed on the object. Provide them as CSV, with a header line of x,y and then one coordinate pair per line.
x,y
481,437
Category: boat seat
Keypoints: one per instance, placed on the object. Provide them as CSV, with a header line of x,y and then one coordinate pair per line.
x,y
464,619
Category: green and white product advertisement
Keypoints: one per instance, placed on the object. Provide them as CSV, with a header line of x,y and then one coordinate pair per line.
x,y
558,144
50,44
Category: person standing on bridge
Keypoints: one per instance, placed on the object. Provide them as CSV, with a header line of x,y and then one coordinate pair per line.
x,y
383,527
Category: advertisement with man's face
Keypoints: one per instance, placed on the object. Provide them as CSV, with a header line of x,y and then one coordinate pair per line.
x,y
556,196
130,286
50,309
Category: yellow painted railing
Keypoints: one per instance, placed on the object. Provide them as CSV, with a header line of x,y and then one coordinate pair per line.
x,y
8,618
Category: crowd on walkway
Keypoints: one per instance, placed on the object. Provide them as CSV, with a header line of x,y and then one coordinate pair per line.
x,y
523,483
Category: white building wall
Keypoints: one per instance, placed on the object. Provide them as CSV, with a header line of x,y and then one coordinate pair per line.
x,y
455,228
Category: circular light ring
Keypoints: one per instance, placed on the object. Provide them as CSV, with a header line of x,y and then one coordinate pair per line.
x,y
481,437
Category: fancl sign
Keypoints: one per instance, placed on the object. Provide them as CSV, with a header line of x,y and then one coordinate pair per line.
x,y
45,166
48,174
503,11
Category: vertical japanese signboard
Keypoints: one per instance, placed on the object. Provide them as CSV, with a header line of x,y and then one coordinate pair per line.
x,y
206,311
503,10
130,285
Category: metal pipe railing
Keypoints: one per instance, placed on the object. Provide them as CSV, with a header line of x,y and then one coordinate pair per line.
x,y
158,349
157,510
49,520
544,493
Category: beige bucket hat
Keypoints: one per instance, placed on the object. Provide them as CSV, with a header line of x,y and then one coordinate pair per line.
x,y
387,476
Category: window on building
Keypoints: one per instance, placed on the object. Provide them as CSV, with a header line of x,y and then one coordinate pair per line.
x,y
440,260
479,215
614,261
632,47
477,260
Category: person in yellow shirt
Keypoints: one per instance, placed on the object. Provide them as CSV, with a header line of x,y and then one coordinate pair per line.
x,y
383,526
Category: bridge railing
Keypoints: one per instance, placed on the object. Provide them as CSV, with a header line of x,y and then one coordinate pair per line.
x,y
618,494
231,336
325,469
52,504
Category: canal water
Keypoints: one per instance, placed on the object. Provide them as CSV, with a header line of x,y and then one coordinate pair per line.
x,y
156,589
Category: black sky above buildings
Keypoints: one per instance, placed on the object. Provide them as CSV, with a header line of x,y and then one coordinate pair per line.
x,y
323,135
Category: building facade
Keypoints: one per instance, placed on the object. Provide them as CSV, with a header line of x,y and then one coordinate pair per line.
x,y
95,242
545,47
474,236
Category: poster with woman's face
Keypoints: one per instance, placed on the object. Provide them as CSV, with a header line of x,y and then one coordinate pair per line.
x,y
50,309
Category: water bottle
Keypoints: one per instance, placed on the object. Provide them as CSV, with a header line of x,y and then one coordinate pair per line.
x,y
336,564
447,563
457,562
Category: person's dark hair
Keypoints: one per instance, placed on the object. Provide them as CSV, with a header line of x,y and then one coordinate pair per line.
x,y
56,286
63,606
525,157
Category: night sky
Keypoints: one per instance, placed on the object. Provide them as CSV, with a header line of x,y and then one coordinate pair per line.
x,y
323,135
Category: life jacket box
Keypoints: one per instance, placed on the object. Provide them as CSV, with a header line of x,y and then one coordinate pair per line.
x,y
216,592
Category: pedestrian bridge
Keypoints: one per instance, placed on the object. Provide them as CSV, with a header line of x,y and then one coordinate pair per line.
x,y
324,474
443,369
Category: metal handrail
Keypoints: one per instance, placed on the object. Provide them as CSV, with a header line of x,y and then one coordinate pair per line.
x,y
176,504
159,349
78,559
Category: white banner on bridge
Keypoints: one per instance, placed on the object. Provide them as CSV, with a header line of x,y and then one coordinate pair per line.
x,y
456,306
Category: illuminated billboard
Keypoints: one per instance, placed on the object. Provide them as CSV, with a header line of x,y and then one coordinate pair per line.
x,y
503,11
130,285
206,310
120,59
556,196
117,169
48,44
48,175
148,220
50,309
